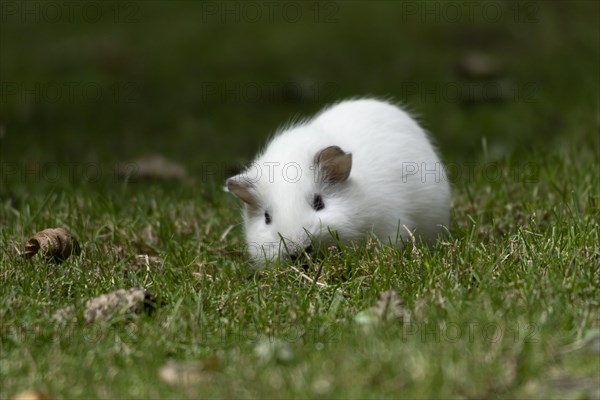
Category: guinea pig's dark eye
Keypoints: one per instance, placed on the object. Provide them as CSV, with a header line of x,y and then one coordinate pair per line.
x,y
267,218
318,202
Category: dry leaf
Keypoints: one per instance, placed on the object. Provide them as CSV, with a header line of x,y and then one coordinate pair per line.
x,y
54,244
476,65
389,305
144,261
31,395
188,373
64,315
151,167
120,303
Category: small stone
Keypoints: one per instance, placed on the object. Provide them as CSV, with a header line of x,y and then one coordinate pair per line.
x,y
321,386
273,349
188,373
367,317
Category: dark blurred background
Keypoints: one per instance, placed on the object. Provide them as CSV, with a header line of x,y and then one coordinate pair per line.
x,y
205,83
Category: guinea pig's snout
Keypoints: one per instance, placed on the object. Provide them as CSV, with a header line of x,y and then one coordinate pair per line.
x,y
301,252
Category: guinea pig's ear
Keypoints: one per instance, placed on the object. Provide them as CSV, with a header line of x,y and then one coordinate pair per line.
x,y
242,189
333,164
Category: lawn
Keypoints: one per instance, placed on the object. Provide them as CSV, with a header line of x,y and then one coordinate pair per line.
x,y
505,306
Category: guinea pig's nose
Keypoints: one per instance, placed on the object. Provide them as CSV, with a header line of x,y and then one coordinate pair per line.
x,y
307,250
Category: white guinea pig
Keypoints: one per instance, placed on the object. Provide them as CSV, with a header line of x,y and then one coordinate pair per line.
x,y
357,168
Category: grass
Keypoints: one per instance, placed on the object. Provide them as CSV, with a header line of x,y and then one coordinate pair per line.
x,y
505,307
493,309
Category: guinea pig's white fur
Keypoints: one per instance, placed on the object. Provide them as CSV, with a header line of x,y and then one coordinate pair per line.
x,y
396,182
